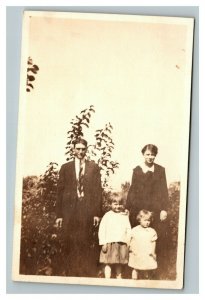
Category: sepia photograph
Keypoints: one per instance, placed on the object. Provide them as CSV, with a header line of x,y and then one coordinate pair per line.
x,y
103,149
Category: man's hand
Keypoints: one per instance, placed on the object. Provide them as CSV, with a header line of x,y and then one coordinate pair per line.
x,y
96,221
163,215
59,222
104,248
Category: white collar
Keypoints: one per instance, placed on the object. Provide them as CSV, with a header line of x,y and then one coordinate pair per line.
x,y
145,168
77,166
77,160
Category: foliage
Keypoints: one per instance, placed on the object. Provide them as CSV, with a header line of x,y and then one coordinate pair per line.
x,y
173,209
31,69
76,131
48,182
101,153
124,190
125,187
40,240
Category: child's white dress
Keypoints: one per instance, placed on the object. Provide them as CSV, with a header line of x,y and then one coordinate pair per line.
x,y
114,231
142,254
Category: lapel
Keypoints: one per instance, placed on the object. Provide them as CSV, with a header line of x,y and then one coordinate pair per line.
x,y
87,167
156,169
156,172
73,172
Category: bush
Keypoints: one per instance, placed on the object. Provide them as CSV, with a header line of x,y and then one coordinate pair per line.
x,y
41,242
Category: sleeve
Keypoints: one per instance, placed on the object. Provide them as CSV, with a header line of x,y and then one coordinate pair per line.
x,y
152,247
154,236
164,191
60,190
102,230
97,193
131,193
128,231
131,243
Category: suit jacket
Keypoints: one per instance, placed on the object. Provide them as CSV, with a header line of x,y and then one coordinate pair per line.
x,y
67,191
148,190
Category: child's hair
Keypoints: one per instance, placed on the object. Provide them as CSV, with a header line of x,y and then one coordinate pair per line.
x,y
145,213
119,197
115,196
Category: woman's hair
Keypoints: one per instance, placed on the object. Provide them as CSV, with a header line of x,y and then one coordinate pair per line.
x,y
150,147
145,213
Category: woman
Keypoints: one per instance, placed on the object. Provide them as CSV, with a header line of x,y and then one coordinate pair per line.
x,y
148,188
149,191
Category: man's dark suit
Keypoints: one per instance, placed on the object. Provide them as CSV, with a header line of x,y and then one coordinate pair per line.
x,y
78,214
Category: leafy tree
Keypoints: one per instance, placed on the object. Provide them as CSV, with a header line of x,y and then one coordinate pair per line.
x,y
48,182
76,131
31,70
101,153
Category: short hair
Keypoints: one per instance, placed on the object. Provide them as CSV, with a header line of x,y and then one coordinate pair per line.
x,y
116,196
150,147
145,213
80,141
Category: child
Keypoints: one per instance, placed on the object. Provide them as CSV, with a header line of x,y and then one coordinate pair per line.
x,y
114,236
142,257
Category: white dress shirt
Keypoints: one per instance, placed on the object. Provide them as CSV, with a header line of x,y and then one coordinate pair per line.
x,y
79,162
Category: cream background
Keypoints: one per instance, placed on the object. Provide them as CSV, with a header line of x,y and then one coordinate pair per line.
x,y
128,70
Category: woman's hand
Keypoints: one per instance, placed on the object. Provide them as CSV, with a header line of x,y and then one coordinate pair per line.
x,y
163,215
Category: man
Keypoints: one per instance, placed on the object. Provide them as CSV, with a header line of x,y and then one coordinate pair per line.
x,y
79,203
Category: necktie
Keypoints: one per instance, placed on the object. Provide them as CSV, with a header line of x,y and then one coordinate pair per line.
x,y
80,181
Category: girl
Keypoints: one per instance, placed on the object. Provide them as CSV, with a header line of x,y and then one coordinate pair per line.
x,y
142,255
114,236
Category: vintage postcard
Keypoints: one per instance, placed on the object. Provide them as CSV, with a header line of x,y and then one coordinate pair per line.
x,y
103,147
